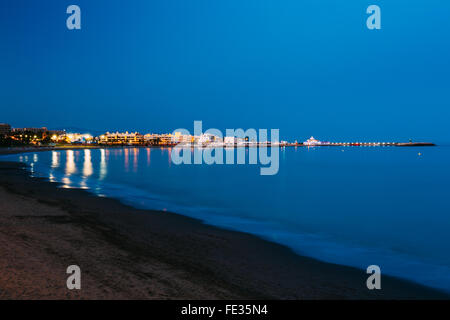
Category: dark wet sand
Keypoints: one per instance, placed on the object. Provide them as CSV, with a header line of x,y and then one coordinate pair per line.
x,y
126,253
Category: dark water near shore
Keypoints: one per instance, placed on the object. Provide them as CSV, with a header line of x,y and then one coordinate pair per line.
x,y
355,206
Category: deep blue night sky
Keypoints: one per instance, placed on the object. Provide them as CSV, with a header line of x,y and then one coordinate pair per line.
x,y
307,67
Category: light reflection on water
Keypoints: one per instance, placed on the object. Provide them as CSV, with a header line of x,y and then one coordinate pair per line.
x,y
55,159
87,168
148,156
70,169
70,159
135,159
104,155
87,164
70,163
126,159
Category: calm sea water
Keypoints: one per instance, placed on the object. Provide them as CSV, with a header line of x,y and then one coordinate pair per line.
x,y
355,206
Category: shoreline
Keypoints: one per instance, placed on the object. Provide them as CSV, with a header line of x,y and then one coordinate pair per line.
x,y
177,257
28,149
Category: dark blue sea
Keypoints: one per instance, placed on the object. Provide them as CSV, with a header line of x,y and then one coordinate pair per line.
x,y
357,206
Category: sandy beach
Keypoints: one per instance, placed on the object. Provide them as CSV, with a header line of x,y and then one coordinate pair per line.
x,y
127,253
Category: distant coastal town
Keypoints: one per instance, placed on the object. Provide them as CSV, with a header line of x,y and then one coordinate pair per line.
x,y
41,136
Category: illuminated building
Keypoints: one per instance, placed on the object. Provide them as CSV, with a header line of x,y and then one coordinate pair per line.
x,y
5,129
36,131
160,139
314,142
122,138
